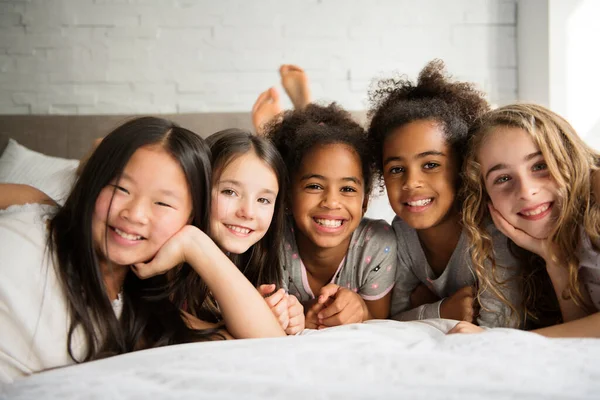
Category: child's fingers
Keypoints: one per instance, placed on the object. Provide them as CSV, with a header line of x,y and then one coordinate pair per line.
x,y
294,307
276,298
327,291
266,290
311,319
281,307
296,324
144,271
465,327
334,308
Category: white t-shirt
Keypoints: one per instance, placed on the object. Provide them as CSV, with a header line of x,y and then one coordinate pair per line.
x,y
34,319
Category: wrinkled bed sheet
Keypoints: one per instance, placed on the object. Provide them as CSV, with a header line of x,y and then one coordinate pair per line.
x,y
380,359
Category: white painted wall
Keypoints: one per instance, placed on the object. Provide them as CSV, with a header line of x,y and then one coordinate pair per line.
x,y
558,61
153,56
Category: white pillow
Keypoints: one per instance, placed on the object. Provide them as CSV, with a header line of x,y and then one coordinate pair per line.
x,y
52,175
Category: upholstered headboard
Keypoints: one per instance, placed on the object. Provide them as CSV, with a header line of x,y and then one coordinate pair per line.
x,y
71,136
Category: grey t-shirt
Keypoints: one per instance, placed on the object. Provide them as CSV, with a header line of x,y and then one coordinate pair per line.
x,y
589,268
368,269
414,269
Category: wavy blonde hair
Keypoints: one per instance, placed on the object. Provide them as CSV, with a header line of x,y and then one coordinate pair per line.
x,y
571,164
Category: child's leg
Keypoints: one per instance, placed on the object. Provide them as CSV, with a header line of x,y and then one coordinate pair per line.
x,y
295,83
266,107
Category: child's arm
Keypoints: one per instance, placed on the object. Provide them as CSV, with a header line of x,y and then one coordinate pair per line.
x,y
244,311
379,309
16,194
402,308
584,327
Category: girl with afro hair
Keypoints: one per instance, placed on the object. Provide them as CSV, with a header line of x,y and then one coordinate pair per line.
x,y
340,265
418,133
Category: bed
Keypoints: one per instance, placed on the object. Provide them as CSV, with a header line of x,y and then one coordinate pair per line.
x,y
380,359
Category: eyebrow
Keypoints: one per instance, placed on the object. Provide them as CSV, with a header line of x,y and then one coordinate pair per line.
x,y
500,166
420,155
233,182
321,177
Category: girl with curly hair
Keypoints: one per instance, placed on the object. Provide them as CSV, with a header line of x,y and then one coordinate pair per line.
x,y
418,134
339,265
529,170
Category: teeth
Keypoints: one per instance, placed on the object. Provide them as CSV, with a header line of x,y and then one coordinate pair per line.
x,y
127,235
537,211
239,229
419,203
330,223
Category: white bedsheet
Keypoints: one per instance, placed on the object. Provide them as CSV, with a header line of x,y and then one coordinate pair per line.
x,y
381,359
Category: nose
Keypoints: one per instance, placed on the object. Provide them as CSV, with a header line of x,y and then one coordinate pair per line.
x,y
135,211
246,208
412,181
528,187
331,199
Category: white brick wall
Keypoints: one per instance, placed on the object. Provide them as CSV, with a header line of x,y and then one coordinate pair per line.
x,y
151,56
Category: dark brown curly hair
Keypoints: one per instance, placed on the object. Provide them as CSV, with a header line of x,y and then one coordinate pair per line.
x,y
397,101
298,131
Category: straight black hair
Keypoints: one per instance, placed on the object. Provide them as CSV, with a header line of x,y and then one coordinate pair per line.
x,y
151,313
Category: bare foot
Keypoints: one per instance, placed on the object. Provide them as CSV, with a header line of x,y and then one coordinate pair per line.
x,y
295,83
266,107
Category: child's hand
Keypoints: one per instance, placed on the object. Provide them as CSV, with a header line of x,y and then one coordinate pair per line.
x,y
277,302
465,327
422,295
296,313
171,254
343,306
311,320
460,306
542,247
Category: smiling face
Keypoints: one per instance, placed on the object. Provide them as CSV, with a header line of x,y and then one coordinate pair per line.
x,y
420,174
518,182
243,203
150,203
327,195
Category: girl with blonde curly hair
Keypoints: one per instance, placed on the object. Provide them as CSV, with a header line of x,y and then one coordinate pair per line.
x,y
529,170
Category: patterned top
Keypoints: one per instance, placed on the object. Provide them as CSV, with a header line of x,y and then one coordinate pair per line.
x,y
414,269
368,269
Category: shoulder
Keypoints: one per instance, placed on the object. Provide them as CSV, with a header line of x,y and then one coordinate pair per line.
x,y
401,228
588,253
374,231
